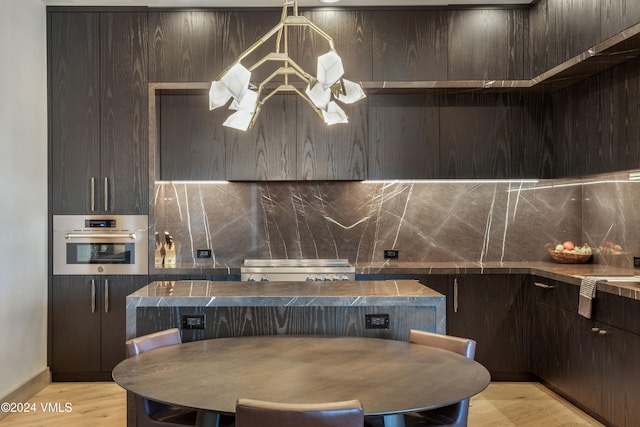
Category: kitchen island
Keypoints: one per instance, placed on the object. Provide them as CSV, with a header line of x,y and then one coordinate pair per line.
x,y
215,309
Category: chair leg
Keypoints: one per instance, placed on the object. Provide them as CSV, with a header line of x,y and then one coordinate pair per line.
x,y
395,420
207,419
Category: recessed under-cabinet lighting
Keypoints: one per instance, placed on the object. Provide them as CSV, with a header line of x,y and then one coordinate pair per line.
x,y
450,181
191,182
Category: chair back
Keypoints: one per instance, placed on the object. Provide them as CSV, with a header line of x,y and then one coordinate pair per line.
x,y
463,346
152,341
457,414
148,410
258,413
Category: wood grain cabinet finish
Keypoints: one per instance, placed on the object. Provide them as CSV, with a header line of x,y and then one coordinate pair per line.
x,y
184,45
477,133
410,45
593,127
591,362
97,115
404,136
192,143
74,110
88,325
486,44
560,29
124,147
194,46
489,309
352,34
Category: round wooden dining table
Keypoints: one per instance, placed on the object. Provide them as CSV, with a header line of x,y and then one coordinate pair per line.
x,y
388,377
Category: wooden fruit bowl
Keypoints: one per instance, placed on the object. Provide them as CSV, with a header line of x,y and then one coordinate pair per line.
x,y
568,258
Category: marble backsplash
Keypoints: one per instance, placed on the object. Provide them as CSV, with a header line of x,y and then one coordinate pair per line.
x,y
430,221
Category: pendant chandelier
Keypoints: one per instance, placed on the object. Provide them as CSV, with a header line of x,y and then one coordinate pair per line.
x,y
322,90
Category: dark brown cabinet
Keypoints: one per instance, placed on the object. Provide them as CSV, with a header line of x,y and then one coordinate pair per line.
x,y
88,324
489,309
97,113
592,362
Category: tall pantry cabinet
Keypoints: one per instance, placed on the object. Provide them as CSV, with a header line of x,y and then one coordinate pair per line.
x,y
98,164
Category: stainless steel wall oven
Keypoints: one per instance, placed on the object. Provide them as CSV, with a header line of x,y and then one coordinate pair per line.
x,y
100,244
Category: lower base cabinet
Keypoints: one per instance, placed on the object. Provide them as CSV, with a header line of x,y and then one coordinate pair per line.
x,y
488,308
591,363
88,318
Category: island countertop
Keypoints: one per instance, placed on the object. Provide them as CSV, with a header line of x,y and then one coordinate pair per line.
x,y
207,293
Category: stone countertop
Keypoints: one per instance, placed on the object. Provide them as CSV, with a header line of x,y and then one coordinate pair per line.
x,y
570,273
204,293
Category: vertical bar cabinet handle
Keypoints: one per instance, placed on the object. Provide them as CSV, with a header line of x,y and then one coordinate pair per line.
x,y
93,194
106,194
93,296
455,295
106,295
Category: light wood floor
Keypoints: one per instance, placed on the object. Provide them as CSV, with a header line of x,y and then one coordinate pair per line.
x,y
103,404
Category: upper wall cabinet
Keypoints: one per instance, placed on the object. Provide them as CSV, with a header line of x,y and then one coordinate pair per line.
x,y
197,46
486,44
459,136
410,45
448,45
98,113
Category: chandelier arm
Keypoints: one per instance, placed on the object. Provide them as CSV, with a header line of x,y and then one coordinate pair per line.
x,y
310,102
289,88
290,64
253,47
281,71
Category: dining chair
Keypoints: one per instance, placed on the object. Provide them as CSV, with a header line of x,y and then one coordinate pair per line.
x,y
259,413
457,414
148,412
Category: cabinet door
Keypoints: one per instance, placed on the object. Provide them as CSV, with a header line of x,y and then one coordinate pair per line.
x,y
489,309
403,136
620,376
74,111
337,152
113,293
544,342
75,324
580,361
124,144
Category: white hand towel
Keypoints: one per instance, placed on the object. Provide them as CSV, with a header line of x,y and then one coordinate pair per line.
x,y
587,293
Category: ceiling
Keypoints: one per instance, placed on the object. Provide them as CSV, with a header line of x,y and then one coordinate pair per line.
x,y
277,3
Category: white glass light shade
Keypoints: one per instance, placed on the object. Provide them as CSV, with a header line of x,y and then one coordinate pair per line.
x,y
353,91
329,69
219,95
237,80
239,120
319,96
334,114
247,103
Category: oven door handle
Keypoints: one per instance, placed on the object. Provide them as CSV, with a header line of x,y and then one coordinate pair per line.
x,y
70,236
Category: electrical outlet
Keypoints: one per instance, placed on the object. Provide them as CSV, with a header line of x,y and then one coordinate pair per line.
x,y
376,321
203,253
390,254
193,321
